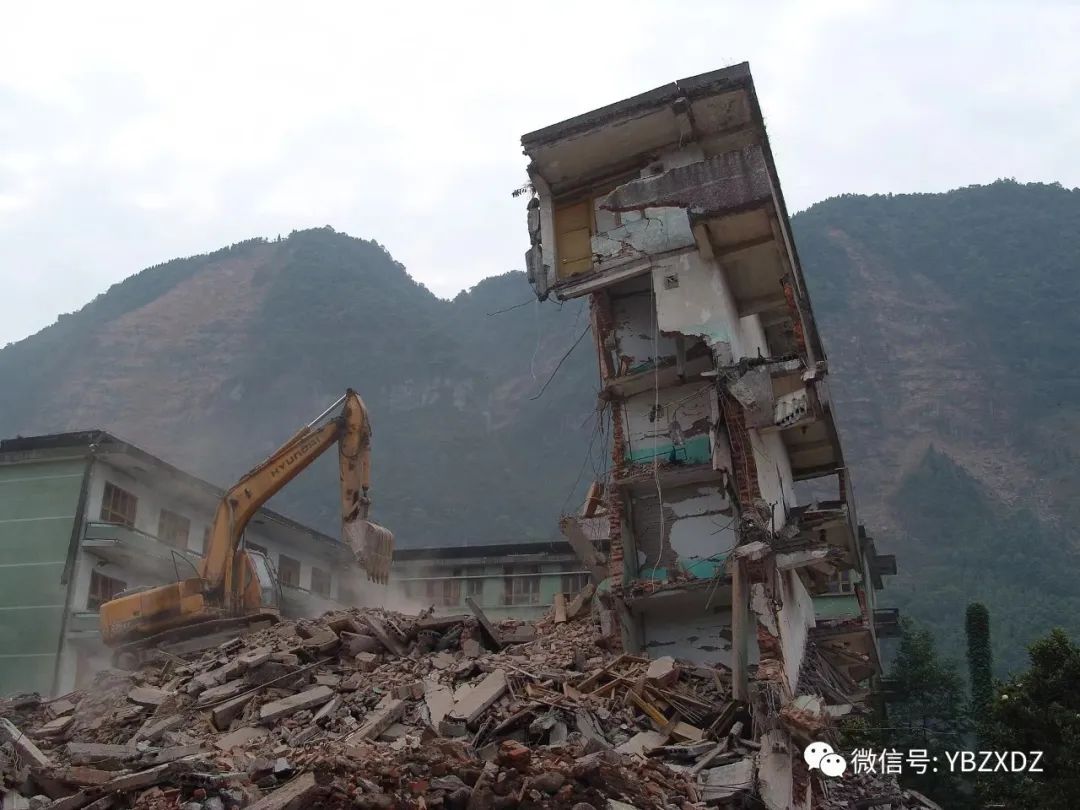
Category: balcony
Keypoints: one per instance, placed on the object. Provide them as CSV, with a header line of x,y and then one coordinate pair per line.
x,y
138,552
785,396
887,622
827,522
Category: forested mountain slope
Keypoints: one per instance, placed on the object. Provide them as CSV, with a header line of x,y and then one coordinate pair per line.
x,y
951,321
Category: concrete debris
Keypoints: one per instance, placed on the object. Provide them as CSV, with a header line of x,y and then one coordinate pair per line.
x,y
298,719
871,791
26,750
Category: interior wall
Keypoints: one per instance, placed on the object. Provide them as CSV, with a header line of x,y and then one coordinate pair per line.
x,y
692,634
796,617
774,474
648,418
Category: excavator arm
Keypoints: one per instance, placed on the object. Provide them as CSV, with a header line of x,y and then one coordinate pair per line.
x,y
371,544
227,589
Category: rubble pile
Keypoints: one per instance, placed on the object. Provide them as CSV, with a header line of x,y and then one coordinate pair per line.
x,y
375,709
872,791
370,708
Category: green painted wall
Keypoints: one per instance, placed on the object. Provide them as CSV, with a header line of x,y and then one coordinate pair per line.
x,y
697,450
38,501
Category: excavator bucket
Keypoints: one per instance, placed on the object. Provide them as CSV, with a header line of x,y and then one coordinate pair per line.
x,y
373,547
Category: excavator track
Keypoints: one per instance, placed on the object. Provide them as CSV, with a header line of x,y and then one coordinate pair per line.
x,y
192,638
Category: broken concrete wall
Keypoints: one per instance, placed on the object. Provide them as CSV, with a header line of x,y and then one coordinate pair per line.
x,y
671,424
651,232
784,613
702,529
638,341
774,475
693,297
701,637
540,260
775,781
797,617
691,534
734,180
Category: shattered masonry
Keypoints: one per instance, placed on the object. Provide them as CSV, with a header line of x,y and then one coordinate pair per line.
x,y
373,709
665,210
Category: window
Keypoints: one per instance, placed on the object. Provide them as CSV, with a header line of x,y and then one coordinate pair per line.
x,y
442,591
451,589
102,589
288,571
474,585
573,583
841,582
118,506
573,234
173,529
320,582
255,547
522,585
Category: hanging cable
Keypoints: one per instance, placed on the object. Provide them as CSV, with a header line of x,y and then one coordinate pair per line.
x,y
656,412
510,309
562,360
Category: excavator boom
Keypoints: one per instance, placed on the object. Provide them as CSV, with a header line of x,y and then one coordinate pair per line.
x,y
228,583
351,430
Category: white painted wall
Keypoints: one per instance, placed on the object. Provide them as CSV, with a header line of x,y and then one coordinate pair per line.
x,y
634,321
774,473
702,304
691,635
703,525
152,498
796,617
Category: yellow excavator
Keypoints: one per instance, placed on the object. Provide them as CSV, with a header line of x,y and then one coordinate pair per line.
x,y
237,587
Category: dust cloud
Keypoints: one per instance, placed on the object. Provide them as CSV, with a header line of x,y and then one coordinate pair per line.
x,y
371,594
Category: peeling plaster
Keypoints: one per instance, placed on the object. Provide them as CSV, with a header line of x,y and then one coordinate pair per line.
x,y
632,317
659,230
797,616
775,479
701,304
774,771
678,431
761,606
704,638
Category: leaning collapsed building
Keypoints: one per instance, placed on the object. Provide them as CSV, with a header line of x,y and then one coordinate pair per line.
x,y
666,211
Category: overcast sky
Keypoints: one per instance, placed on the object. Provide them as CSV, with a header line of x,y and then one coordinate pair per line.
x,y
129,136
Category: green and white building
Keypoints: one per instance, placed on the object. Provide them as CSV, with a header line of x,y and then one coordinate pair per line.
x,y
86,515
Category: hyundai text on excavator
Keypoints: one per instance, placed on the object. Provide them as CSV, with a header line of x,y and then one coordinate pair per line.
x,y
237,587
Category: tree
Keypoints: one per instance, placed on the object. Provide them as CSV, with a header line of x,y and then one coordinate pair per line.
x,y
979,656
926,712
1038,710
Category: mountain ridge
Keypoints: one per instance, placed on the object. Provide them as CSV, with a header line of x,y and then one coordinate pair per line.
x,y
947,319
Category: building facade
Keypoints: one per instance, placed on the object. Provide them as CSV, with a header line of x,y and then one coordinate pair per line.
x,y
84,516
508,581
728,513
